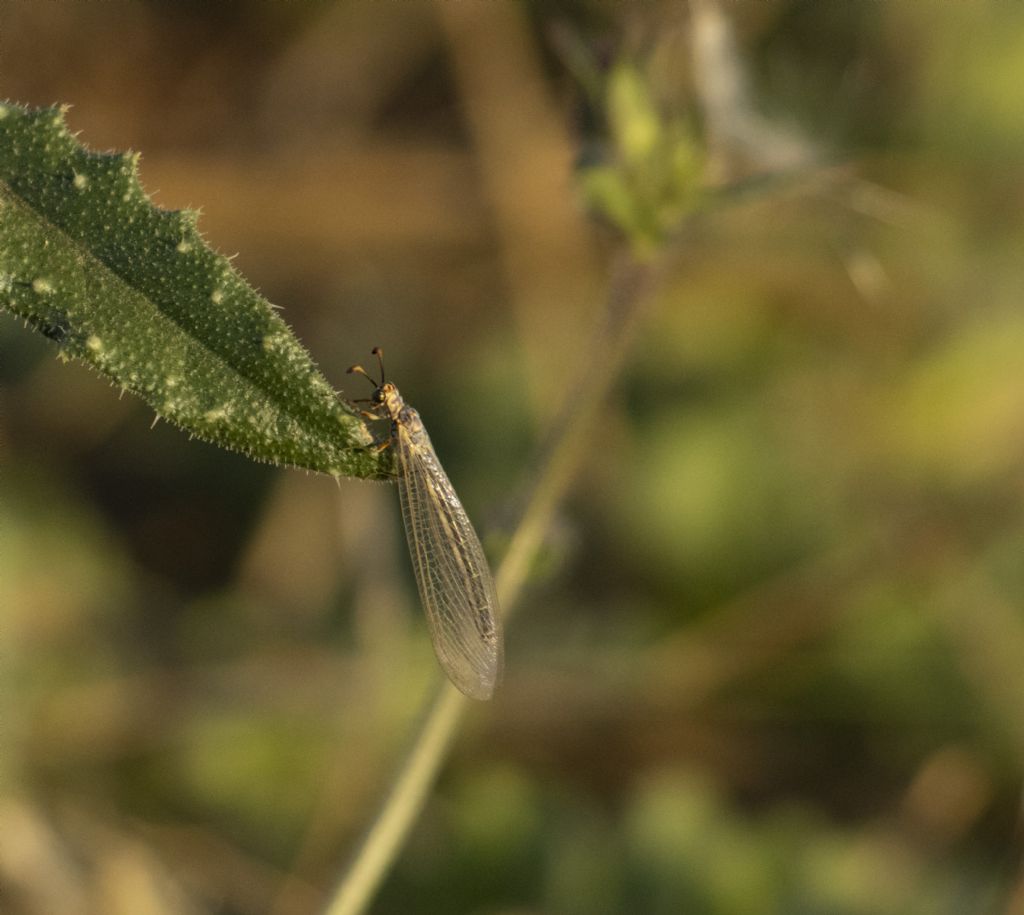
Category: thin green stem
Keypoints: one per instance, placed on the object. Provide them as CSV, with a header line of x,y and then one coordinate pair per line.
x,y
402,804
562,453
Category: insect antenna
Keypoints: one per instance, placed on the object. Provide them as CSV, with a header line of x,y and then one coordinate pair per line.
x,y
359,370
379,353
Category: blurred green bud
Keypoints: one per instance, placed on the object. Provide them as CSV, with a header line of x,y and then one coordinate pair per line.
x,y
632,114
653,180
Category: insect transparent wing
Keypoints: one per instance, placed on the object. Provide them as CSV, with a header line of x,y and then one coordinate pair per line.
x,y
452,574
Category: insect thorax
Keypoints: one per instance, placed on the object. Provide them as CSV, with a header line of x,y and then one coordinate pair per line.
x,y
410,421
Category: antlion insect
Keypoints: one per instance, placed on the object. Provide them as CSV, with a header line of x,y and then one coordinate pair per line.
x,y
451,572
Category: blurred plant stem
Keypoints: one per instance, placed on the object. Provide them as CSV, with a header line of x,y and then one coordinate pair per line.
x,y
629,289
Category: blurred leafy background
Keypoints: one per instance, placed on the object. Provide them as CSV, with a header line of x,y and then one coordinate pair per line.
x,y
772,660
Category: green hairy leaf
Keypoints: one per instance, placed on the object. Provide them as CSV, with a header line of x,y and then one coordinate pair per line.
x,y
135,292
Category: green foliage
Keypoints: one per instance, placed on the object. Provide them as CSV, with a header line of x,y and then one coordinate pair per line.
x,y
653,180
88,261
778,668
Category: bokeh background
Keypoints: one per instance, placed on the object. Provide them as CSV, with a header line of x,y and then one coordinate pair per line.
x,y
772,657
